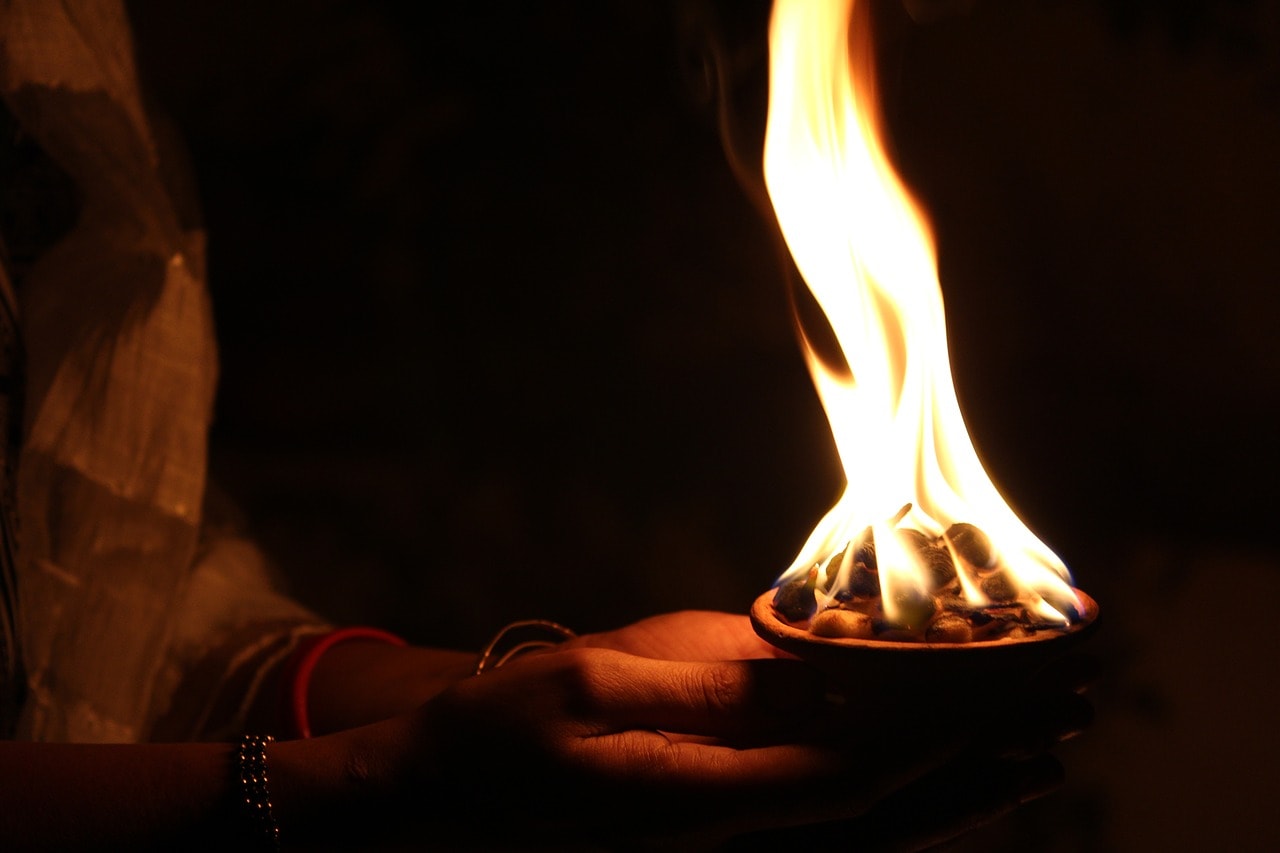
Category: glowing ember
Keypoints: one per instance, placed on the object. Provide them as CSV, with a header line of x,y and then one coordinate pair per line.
x,y
865,251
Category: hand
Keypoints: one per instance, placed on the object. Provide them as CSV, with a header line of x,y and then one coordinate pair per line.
x,y
1003,767
690,635
590,744
1000,766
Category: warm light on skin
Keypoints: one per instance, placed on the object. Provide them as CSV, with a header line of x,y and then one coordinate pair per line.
x,y
866,253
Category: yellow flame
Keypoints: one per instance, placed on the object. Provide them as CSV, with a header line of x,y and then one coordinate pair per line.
x,y
865,250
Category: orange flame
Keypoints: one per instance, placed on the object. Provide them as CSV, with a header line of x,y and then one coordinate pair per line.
x,y
865,250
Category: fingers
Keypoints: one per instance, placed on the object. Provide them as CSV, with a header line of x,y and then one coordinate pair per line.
x,y
1075,673
807,793
742,703
700,635
790,783
723,699
594,726
591,720
1025,721
956,799
695,796
1041,721
649,761
615,705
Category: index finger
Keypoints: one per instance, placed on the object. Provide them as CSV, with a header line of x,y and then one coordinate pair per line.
x,y
713,698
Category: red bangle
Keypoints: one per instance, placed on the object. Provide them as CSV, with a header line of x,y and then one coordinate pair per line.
x,y
305,658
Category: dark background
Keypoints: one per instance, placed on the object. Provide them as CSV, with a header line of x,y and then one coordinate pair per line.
x,y
504,335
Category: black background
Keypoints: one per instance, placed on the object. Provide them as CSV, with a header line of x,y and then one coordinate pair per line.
x,y
504,335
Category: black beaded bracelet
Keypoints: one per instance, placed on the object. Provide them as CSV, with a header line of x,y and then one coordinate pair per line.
x,y
251,767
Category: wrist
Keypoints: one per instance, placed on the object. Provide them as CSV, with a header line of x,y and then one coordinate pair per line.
x,y
521,638
334,789
362,681
301,667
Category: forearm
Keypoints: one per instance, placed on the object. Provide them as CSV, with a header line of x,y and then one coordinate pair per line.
x,y
135,796
359,682
186,796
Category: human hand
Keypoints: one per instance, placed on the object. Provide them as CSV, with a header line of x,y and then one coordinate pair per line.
x,y
360,682
1005,764
689,635
592,745
1001,735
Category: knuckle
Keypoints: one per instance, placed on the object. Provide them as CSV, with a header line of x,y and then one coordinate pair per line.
x,y
586,680
722,689
654,761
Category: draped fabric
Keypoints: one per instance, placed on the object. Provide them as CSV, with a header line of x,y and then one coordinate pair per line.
x,y
12,677
139,615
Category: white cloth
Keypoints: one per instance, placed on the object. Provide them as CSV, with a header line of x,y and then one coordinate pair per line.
x,y
132,620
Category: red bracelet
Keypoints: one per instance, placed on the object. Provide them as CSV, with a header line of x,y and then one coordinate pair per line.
x,y
300,669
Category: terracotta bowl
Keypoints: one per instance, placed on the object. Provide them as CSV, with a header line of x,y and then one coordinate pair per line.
x,y
924,665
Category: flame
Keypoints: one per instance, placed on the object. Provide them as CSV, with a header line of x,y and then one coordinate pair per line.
x,y
865,250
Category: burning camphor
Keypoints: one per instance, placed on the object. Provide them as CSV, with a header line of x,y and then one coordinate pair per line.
x,y
955,558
